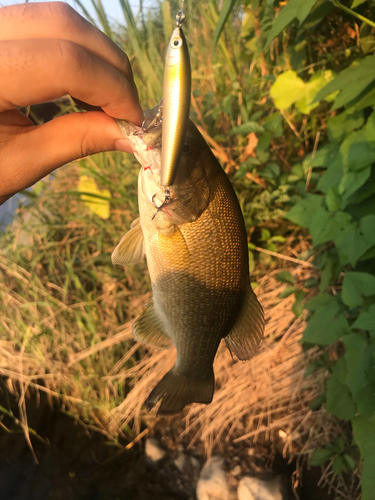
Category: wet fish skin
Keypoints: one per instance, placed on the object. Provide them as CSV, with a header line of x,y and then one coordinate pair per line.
x,y
200,277
176,105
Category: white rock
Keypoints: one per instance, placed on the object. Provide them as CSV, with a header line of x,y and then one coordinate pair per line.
x,y
153,450
212,483
236,471
182,462
252,488
195,463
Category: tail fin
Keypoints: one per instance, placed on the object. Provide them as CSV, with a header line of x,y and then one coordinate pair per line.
x,y
177,391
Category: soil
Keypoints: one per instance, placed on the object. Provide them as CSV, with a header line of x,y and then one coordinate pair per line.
x,y
78,464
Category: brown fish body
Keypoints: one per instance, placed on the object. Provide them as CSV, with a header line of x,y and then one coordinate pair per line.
x,y
200,277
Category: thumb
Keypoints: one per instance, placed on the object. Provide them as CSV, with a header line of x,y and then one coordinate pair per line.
x,y
37,151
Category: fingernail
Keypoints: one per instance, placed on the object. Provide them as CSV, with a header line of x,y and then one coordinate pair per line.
x,y
123,145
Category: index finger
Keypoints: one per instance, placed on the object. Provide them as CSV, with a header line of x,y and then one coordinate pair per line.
x,y
59,20
34,71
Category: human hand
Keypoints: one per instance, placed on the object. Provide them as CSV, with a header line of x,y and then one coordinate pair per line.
x,y
48,50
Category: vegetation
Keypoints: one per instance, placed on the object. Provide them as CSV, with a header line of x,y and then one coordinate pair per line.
x,y
284,93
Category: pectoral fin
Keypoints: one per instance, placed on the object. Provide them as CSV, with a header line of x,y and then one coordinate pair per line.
x,y
131,248
149,329
246,336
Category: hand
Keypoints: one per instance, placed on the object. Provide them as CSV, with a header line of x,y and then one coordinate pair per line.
x,y
48,50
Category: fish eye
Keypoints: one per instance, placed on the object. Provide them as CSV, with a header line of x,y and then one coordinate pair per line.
x,y
187,148
176,42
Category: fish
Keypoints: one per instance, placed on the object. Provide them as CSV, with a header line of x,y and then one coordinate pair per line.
x,y
197,256
176,105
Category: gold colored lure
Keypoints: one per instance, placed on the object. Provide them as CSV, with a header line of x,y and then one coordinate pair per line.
x,y
197,255
176,102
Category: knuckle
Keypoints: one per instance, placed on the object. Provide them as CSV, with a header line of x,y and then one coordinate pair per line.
x,y
65,17
62,10
72,55
88,146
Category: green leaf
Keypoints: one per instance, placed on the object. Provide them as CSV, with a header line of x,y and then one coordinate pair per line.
x,y
287,89
289,290
304,210
351,82
327,271
339,401
246,128
321,300
366,320
354,239
311,282
322,224
224,14
320,456
352,181
355,287
356,152
278,239
325,225
338,465
326,325
341,125
324,157
356,3
292,10
364,435
317,402
310,89
349,462
265,234
285,277
358,362
367,98
370,130
297,308
274,124
331,177
365,400
333,199
299,295
338,445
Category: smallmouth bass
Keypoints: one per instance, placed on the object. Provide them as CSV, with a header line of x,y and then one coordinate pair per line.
x,y
197,256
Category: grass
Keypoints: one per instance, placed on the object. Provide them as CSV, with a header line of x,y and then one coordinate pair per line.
x,y
66,312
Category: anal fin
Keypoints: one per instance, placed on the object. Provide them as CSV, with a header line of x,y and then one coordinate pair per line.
x,y
131,248
246,336
149,329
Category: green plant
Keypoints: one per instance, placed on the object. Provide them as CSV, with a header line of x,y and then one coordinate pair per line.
x,y
340,216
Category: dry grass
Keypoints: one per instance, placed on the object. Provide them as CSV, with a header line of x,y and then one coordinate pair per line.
x,y
265,395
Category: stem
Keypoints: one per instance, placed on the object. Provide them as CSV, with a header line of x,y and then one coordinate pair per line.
x,y
353,13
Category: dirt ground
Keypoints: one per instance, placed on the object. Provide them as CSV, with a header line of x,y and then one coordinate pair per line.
x,y
78,464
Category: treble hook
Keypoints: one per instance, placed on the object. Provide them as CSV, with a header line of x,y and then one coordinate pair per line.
x,y
167,201
153,121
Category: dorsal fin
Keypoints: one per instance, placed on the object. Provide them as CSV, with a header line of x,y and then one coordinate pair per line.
x,y
148,328
246,336
131,248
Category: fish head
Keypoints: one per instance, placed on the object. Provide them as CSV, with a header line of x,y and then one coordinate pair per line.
x,y
176,48
188,197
